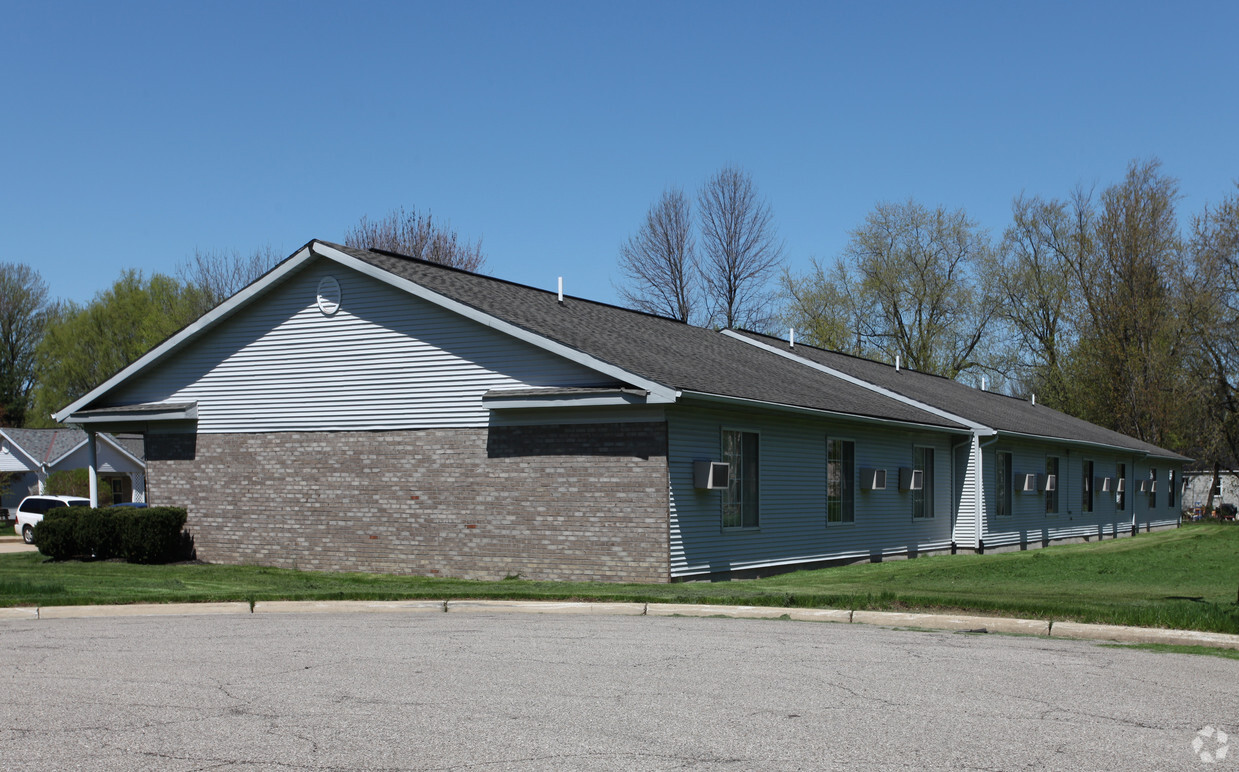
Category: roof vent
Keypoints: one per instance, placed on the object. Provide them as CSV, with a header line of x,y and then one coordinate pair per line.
x,y
561,290
896,363
791,337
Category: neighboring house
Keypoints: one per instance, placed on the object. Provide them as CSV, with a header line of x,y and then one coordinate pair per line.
x,y
1196,488
358,410
30,455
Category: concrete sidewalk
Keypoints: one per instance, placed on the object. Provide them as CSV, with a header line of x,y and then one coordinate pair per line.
x,y
890,619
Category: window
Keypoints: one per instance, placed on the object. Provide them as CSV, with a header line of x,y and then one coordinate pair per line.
x,y
1002,481
840,499
1120,498
740,498
923,498
1087,488
1051,494
1170,488
1152,489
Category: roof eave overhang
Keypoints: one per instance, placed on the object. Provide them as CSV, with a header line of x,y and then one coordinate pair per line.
x,y
497,400
1119,449
145,414
801,410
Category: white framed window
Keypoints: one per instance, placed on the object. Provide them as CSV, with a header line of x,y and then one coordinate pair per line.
x,y
840,479
741,499
1003,478
923,497
1120,497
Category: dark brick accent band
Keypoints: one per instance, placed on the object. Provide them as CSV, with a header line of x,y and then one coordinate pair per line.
x,y
566,502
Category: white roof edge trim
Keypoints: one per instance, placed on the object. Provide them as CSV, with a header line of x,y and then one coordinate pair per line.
x,y
980,430
1112,448
24,452
204,322
659,393
103,436
583,400
818,411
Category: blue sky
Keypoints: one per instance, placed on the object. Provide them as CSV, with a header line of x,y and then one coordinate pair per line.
x,y
132,134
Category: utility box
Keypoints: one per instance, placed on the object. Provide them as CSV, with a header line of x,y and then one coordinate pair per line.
x,y
872,479
911,479
711,475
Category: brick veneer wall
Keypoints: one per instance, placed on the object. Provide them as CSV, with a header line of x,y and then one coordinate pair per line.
x,y
568,502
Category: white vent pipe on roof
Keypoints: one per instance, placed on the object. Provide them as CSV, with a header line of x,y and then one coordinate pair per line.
x,y
982,383
561,290
896,363
791,337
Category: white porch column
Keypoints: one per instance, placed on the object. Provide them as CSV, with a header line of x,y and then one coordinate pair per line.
x,y
138,481
92,464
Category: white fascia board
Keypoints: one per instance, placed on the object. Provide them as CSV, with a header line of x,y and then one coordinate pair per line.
x,y
171,414
980,430
1085,443
205,322
34,462
581,400
703,396
659,393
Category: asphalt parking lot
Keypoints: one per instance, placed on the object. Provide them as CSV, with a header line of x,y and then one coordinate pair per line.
x,y
434,691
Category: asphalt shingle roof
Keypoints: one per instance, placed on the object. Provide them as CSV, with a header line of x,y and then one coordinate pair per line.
x,y
48,445
662,350
997,411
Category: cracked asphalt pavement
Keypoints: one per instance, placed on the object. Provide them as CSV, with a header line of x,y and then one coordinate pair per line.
x,y
431,691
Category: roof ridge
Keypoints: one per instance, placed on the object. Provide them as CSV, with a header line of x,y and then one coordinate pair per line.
x,y
509,282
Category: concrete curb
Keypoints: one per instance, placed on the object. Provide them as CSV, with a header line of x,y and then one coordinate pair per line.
x,y
547,607
951,622
142,610
1081,631
343,606
946,622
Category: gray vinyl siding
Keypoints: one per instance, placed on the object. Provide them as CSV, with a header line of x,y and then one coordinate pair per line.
x,y
385,360
793,527
1030,524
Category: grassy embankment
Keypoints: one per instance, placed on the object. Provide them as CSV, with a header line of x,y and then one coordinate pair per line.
x,y
1186,578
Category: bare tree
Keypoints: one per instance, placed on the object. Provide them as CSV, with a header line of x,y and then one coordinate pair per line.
x,y
741,251
659,261
221,274
416,235
23,315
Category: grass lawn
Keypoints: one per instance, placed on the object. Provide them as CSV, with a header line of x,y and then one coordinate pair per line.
x,y
1186,578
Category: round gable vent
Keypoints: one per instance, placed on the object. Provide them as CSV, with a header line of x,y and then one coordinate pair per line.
x,y
328,295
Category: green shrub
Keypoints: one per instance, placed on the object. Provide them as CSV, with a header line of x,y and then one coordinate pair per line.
x,y
154,535
58,535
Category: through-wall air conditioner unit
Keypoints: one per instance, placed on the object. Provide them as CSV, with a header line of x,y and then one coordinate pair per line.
x,y
1143,487
1047,482
710,475
872,479
1104,484
1152,486
1026,483
1122,485
911,479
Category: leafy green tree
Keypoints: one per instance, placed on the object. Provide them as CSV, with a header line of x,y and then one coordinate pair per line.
x,y
909,284
1127,370
83,346
23,315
